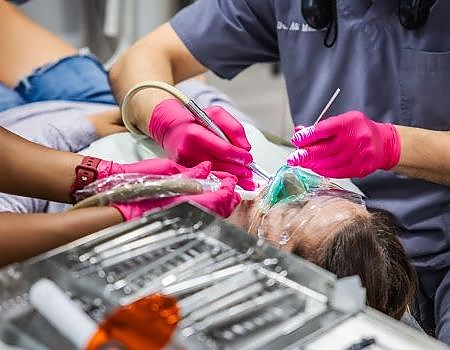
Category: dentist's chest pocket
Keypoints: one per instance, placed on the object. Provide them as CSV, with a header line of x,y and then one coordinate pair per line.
x,y
424,80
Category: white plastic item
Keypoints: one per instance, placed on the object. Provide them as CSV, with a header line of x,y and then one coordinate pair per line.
x,y
247,195
111,25
62,313
348,295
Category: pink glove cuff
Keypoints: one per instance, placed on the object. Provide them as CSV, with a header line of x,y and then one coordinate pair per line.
x,y
105,168
128,212
392,146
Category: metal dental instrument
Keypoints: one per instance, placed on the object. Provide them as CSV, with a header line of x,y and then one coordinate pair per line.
x,y
190,104
288,326
202,281
241,334
134,276
180,271
144,231
189,286
295,286
225,302
239,311
217,291
330,102
126,255
141,242
109,249
214,263
165,279
203,118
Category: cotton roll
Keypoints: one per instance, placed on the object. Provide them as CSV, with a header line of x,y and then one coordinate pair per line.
x,y
62,313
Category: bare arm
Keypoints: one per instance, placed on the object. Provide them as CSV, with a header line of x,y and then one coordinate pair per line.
x,y
160,55
29,169
25,45
25,235
425,154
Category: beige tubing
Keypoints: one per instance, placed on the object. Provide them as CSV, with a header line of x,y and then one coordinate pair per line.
x,y
149,84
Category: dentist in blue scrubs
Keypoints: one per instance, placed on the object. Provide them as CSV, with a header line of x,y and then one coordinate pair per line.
x,y
391,60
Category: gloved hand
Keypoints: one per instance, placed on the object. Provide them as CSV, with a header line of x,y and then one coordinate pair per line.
x,y
188,143
148,167
156,166
347,145
222,202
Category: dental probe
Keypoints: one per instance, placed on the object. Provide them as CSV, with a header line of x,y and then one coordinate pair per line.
x,y
192,106
203,118
336,93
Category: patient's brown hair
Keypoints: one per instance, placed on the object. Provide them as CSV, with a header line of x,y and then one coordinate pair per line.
x,y
367,246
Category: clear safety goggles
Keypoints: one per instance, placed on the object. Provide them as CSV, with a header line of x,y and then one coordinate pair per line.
x,y
291,184
295,186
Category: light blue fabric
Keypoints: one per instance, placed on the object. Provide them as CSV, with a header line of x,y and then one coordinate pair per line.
x,y
75,78
9,98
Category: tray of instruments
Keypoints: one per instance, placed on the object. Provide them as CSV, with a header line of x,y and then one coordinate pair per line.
x,y
232,290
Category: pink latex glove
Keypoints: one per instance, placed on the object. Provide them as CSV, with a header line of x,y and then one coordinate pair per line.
x,y
222,202
154,166
347,145
188,143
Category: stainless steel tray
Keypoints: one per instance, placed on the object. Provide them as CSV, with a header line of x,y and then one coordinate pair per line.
x,y
234,291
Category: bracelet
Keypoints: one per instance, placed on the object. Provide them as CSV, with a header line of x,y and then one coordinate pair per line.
x,y
85,173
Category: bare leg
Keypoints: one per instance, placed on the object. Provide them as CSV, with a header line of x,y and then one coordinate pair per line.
x,y
25,45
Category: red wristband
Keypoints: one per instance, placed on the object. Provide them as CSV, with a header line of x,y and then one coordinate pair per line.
x,y
85,173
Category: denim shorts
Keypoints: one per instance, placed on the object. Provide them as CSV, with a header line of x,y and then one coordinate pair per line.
x,y
75,78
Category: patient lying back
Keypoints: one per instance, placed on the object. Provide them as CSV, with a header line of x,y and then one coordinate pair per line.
x,y
339,235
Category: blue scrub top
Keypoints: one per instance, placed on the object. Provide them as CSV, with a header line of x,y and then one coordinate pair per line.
x,y
390,73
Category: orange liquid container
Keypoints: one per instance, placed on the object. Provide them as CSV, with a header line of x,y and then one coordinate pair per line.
x,y
147,323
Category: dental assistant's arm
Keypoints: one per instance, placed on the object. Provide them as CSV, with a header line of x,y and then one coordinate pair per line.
x,y
352,145
161,56
31,170
25,235
425,154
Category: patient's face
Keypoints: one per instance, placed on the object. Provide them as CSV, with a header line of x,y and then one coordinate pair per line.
x,y
299,226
